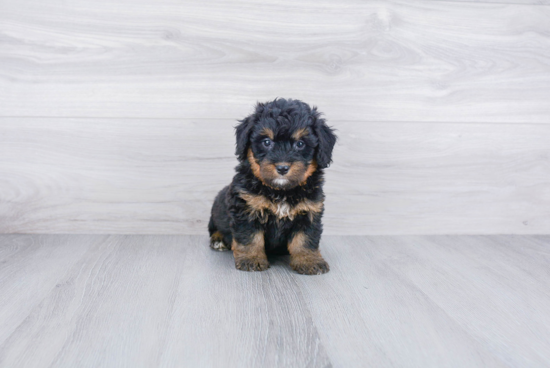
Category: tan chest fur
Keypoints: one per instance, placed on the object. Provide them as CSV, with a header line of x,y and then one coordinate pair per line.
x,y
260,207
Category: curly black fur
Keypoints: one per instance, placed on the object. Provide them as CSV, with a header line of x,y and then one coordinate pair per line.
x,y
284,209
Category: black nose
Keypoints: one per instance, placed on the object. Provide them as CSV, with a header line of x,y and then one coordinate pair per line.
x,y
282,169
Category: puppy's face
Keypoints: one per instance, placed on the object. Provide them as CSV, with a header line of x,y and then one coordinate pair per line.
x,y
284,141
282,156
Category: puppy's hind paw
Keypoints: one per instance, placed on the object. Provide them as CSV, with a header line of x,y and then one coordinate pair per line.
x,y
216,242
219,246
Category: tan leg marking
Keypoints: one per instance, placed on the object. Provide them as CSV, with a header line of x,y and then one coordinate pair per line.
x,y
216,242
250,257
304,260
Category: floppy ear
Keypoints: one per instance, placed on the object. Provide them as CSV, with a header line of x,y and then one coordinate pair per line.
x,y
326,138
242,133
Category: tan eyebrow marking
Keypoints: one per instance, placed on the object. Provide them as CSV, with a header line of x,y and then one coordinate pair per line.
x,y
300,133
268,132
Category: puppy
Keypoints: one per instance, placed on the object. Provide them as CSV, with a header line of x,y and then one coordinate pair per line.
x,y
275,201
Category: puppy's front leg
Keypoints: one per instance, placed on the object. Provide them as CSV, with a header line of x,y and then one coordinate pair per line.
x,y
249,252
305,257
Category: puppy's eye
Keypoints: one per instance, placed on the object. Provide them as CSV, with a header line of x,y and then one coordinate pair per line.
x,y
300,144
267,143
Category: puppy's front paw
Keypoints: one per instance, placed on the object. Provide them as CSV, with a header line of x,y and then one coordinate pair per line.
x,y
252,264
309,265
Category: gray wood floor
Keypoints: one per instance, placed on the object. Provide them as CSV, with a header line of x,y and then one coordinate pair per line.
x,y
166,300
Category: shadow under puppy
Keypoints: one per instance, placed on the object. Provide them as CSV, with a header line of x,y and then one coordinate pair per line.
x,y
275,201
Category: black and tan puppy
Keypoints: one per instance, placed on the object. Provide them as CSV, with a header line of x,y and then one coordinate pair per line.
x,y
275,201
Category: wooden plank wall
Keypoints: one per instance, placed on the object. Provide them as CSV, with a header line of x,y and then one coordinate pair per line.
x,y
117,116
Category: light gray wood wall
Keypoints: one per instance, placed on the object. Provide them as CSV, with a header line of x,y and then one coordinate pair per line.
x,y
117,116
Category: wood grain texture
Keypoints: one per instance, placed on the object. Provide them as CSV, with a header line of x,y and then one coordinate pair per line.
x,y
161,175
169,301
375,61
150,301
523,2
457,297
30,268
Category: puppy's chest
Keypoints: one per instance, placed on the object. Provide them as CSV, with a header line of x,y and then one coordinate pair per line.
x,y
282,210
262,208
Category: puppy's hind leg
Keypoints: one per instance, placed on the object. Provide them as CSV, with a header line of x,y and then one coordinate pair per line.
x,y
216,238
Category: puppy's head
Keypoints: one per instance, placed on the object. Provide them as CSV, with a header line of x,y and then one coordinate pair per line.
x,y
285,141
